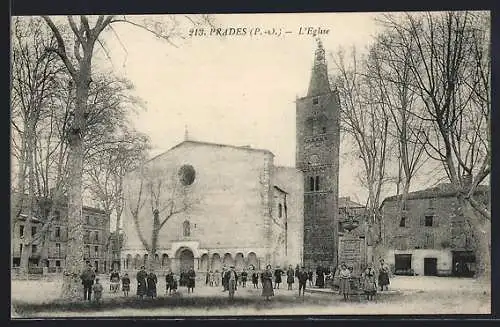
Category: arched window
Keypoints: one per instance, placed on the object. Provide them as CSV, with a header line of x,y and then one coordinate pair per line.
x,y
280,210
186,227
311,183
317,183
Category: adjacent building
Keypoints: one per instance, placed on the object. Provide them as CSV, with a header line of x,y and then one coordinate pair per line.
x,y
430,236
50,250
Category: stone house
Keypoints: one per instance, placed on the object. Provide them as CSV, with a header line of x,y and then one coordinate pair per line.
x,y
430,236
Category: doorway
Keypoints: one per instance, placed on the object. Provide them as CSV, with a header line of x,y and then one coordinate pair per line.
x,y
402,264
186,259
430,266
464,263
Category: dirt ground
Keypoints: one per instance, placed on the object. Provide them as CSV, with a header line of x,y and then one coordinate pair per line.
x,y
419,295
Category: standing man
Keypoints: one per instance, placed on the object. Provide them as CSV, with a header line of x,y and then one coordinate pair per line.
x,y
277,277
244,277
290,277
141,282
225,279
302,276
87,278
191,277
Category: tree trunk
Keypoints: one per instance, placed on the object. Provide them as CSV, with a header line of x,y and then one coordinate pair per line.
x,y
18,198
482,236
27,240
71,288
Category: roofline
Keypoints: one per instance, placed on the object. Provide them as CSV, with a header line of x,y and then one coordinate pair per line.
x,y
209,144
439,194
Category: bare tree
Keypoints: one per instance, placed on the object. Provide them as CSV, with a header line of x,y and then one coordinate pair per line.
x,y
451,65
76,44
152,196
366,120
388,67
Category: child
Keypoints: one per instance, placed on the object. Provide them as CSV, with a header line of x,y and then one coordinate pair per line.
x,y
125,284
369,283
97,288
345,285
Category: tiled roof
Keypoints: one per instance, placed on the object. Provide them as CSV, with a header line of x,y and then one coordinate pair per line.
x,y
440,191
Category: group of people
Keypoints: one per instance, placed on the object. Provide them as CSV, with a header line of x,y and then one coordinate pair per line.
x,y
368,281
270,279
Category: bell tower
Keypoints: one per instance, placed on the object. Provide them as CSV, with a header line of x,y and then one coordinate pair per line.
x,y
317,156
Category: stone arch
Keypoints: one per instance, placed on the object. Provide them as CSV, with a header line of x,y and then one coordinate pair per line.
x,y
228,260
137,261
185,258
252,260
204,262
128,261
239,261
216,262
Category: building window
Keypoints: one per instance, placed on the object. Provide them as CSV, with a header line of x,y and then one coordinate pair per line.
x,y
315,100
429,221
58,263
57,215
96,236
33,231
324,130
58,231
186,228
21,230
280,209
402,222
20,249
87,251
317,183
311,183
96,251
87,220
33,248
58,249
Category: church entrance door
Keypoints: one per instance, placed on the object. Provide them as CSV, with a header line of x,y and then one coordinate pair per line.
x,y
186,259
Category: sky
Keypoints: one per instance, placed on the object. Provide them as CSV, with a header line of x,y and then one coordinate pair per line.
x,y
237,90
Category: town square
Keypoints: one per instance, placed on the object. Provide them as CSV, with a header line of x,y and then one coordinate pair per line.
x,y
251,164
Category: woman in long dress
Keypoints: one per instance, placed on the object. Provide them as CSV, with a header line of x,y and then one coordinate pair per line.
x,y
267,283
383,276
345,285
232,280
152,281
369,283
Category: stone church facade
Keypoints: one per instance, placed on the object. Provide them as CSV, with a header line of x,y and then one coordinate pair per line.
x,y
242,210
317,156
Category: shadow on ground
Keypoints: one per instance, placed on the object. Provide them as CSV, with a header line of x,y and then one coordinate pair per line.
x,y
198,302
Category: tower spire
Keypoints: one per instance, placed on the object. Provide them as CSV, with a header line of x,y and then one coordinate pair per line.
x,y
319,78
186,133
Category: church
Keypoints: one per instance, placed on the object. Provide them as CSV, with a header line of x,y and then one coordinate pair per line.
x,y
232,205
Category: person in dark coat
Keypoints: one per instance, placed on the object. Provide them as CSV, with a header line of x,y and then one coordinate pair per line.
x,y
114,280
267,282
169,280
290,277
232,282
302,276
225,280
87,277
310,277
244,276
297,270
191,277
383,276
320,277
141,282
182,278
152,281
125,284
255,279
277,277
